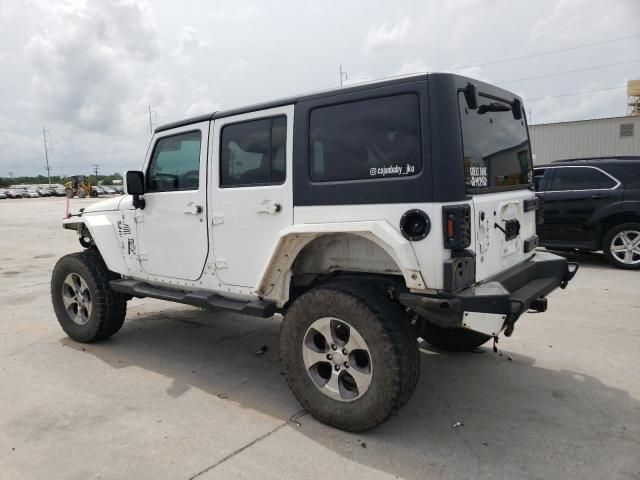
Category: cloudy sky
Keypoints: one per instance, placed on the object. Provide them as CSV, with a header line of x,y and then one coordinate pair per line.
x,y
88,70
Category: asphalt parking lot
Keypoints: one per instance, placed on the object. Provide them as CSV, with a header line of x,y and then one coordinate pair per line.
x,y
182,393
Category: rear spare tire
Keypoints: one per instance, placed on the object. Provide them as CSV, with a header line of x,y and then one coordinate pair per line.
x,y
86,307
453,339
348,355
621,246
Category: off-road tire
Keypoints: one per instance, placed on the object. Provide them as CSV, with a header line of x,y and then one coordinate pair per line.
x,y
385,328
69,193
453,339
109,308
607,244
82,193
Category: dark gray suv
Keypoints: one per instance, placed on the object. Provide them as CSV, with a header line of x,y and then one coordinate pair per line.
x,y
592,204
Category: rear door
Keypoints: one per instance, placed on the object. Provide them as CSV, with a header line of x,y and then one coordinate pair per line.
x,y
252,197
172,230
498,176
571,196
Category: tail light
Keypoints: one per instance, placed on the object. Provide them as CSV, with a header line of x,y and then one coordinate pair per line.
x,y
456,226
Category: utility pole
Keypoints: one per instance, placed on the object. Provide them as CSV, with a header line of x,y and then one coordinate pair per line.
x,y
150,121
96,167
46,154
343,75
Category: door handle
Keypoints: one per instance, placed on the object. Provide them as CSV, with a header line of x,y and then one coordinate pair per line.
x,y
599,195
193,209
267,206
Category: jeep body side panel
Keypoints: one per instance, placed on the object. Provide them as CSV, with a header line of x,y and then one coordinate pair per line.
x,y
275,278
428,253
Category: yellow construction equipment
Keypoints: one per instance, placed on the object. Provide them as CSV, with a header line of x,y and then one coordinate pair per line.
x,y
79,186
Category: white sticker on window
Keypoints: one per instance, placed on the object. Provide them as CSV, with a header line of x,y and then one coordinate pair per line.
x,y
478,176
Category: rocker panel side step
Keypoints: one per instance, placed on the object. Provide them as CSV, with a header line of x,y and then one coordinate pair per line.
x,y
255,308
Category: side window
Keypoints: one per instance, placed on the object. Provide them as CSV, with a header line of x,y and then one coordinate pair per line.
x,y
579,178
372,138
253,152
175,163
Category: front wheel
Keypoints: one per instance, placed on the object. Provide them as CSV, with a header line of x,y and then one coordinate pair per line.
x,y
86,307
621,246
69,193
453,339
348,355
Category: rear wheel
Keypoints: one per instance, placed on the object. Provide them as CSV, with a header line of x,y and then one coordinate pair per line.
x,y
621,246
348,355
86,307
81,192
453,339
69,193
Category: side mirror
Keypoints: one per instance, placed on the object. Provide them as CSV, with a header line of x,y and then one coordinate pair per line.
x,y
135,186
135,182
471,96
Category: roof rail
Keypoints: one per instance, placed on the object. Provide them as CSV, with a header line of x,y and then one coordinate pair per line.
x,y
600,158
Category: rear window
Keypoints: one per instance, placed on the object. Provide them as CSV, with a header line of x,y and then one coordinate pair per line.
x,y
496,149
366,139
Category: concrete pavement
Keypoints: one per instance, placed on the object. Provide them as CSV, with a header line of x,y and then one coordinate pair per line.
x,y
181,392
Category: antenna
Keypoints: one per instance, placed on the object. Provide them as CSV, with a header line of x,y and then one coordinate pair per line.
x,y
343,75
150,121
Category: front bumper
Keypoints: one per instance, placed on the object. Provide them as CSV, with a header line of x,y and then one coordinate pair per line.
x,y
497,302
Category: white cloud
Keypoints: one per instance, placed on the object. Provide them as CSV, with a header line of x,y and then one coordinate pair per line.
x,y
83,65
388,35
189,39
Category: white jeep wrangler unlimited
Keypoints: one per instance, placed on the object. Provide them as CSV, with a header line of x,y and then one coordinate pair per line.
x,y
367,216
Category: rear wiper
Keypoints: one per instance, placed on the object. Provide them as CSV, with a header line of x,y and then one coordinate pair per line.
x,y
493,107
472,96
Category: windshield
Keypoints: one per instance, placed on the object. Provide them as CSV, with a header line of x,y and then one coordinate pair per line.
x,y
496,148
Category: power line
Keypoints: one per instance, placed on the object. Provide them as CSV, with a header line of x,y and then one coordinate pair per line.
x,y
568,71
574,94
549,52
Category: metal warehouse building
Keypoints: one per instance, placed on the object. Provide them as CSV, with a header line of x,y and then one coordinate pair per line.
x,y
585,138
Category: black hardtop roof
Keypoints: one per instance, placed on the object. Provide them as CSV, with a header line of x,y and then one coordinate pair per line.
x,y
601,160
461,80
290,100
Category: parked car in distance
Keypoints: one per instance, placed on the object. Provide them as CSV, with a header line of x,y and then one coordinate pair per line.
x,y
12,193
3,196
109,190
592,204
58,192
99,190
32,193
44,192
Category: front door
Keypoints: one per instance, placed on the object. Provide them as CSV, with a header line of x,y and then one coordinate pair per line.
x,y
252,197
172,228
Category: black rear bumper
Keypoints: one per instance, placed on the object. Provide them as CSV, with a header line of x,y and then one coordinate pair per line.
x,y
510,293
